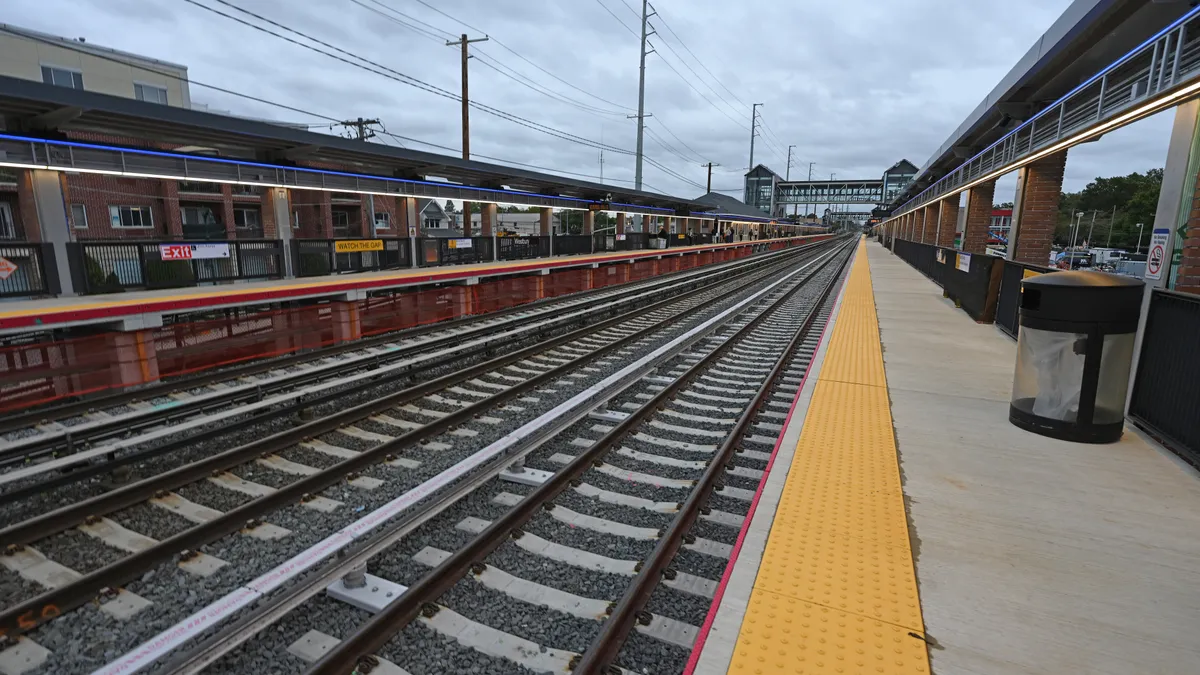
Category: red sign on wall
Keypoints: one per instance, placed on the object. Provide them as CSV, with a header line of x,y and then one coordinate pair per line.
x,y
175,251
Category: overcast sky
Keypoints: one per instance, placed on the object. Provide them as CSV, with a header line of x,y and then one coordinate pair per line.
x,y
855,85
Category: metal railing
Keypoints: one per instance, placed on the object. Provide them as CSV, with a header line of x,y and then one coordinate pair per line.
x,y
1167,383
1163,65
972,281
319,257
23,265
1008,304
114,266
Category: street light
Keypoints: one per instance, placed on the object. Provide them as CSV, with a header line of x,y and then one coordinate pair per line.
x,y
1074,233
1139,246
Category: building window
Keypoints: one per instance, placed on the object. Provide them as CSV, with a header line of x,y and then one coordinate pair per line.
x,y
149,93
78,217
199,215
341,219
62,77
131,216
246,218
383,220
433,223
8,229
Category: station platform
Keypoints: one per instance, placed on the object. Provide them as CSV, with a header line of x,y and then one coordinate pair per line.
x,y
907,527
144,309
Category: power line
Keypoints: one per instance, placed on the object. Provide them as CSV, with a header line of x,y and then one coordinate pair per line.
x,y
500,44
683,44
693,88
496,64
401,77
618,19
697,75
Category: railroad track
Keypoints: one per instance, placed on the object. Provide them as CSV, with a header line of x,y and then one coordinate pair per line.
x,y
267,503
67,427
100,449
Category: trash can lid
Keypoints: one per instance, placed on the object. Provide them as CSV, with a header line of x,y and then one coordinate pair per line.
x,y
1084,278
1082,297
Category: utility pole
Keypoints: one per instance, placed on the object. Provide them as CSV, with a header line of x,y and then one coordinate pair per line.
x,y
362,131
362,128
810,166
466,106
788,176
753,132
1111,221
710,165
641,121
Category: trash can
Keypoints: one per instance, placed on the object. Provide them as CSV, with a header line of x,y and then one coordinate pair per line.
x,y
1074,352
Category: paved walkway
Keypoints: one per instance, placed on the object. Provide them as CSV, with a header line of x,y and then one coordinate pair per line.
x,y
1031,555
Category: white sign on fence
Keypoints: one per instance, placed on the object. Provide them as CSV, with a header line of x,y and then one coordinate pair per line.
x,y
964,262
193,251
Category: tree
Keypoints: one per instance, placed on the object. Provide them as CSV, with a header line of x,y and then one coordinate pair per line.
x,y
1135,198
1005,205
449,208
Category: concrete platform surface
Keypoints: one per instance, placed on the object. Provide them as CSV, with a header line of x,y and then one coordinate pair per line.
x,y
1033,555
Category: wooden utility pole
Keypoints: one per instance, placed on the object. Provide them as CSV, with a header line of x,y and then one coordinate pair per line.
x,y
463,41
362,128
710,165
466,105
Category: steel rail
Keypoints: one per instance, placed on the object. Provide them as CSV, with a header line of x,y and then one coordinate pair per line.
x,y
347,655
69,438
25,616
606,646
84,471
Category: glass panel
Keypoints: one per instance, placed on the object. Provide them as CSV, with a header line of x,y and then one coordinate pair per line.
x,y
1049,374
1115,361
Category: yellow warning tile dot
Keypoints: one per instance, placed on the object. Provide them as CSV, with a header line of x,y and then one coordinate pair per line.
x,y
836,591
782,635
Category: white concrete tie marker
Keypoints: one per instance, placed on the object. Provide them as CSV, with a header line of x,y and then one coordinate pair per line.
x,y
199,513
23,657
232,482
121,538
531,543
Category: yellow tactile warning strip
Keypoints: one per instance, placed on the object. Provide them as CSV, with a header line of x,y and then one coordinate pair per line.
x,y
836,591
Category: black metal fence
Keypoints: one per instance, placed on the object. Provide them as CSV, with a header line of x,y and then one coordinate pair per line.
x,y
1008,302
972,281
23,269
114,266
319,257
1166,389
522,248
572,244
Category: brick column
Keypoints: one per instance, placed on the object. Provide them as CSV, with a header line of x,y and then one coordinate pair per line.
x,y
173,219
325,209
929,226
487,219
979,216
620,223
645,223
544,222
947,219
589,221
1035,211
1187,276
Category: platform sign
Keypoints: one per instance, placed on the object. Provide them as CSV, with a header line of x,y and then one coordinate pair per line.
x,y
193,251
357,245
941,256
964,262
460,243
7,267
1157,257
620,237
412,230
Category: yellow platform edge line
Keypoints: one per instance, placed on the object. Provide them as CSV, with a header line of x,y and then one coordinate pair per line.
x,y
836,591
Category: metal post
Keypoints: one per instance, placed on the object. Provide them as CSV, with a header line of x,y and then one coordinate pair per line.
x,y
753,132
641,121
1090,226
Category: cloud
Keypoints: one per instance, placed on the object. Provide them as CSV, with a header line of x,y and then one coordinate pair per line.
x,y
855,85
